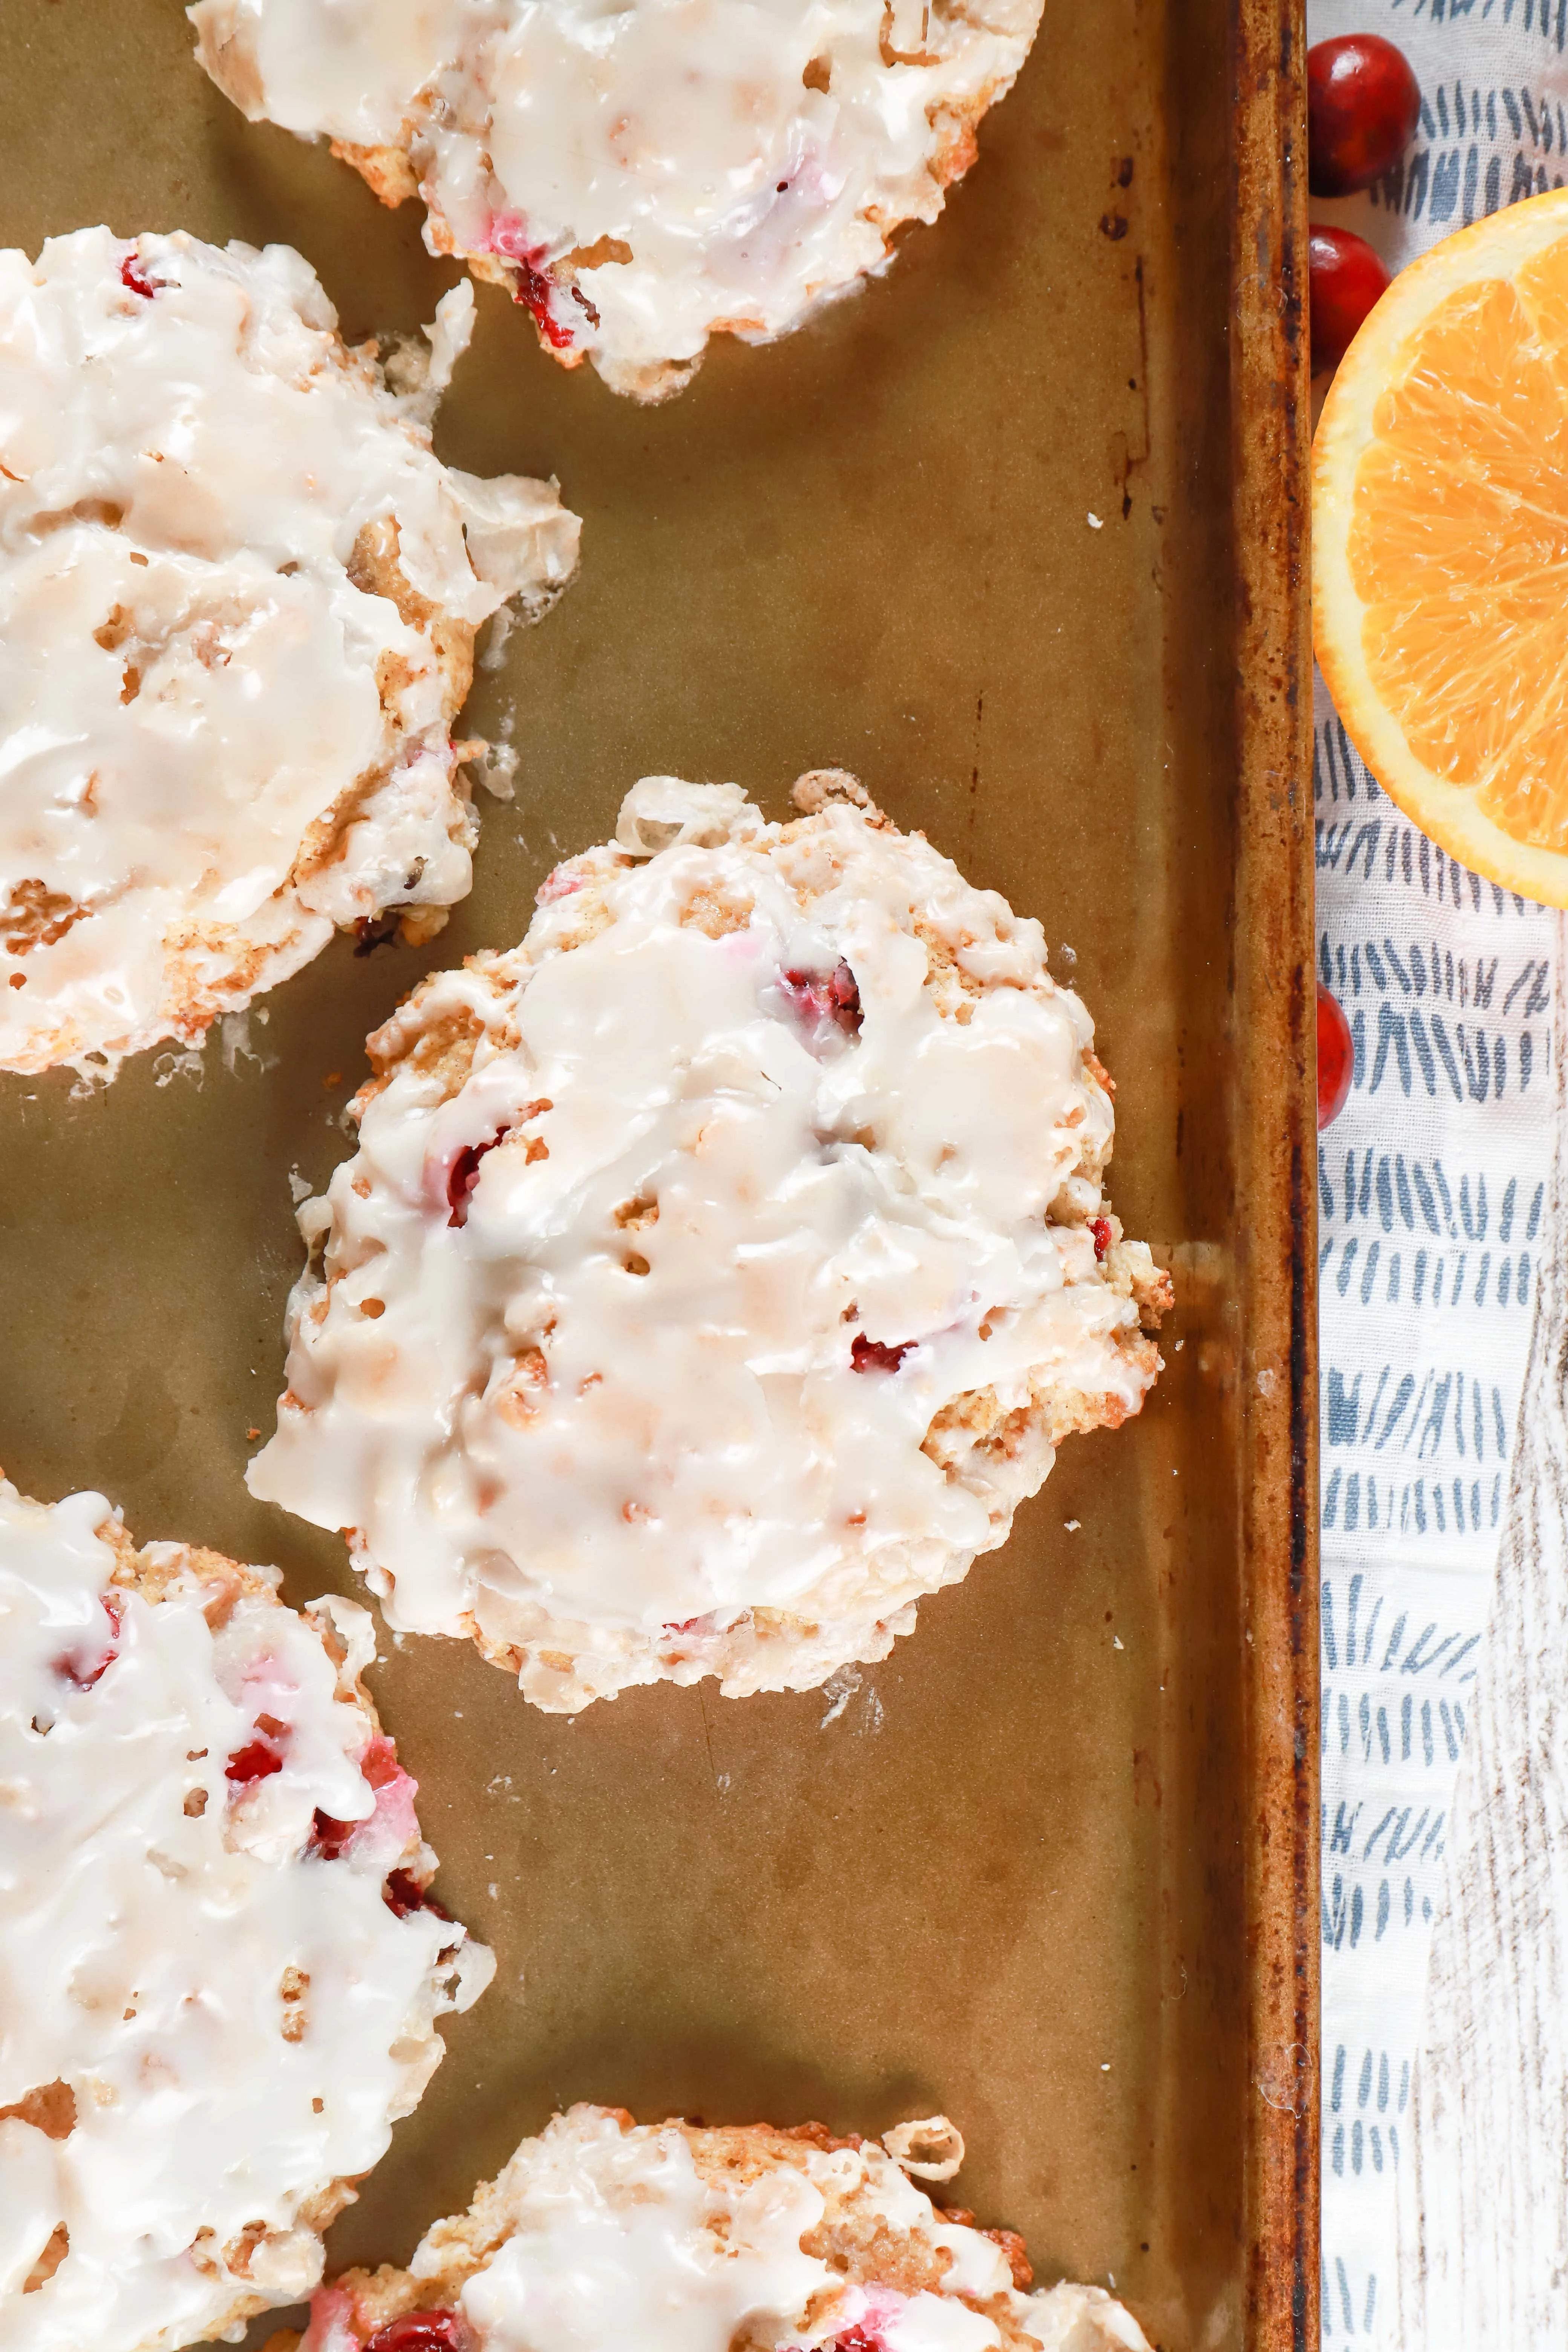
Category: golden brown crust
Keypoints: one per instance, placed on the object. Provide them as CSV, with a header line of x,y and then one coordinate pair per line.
x,y
591,914
978,1423
958,148
375,569
1155,1297
875,2255
1010,2242
445,1051
819,787
50,2109
743,2152
715,912
325,841
35,916
941,961
224,1580
386,171
49,2261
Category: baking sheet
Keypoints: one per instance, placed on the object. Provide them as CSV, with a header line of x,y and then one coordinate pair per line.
x,y
969,535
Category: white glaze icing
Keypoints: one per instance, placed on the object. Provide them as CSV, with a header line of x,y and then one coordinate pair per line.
x,y
599,2236
190,679
723,1261
616,2253
144,1943
742,160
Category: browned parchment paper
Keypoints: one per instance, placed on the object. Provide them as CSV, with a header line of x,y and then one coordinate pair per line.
x,y
1019,1877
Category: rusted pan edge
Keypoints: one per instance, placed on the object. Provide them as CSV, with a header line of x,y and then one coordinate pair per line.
x,y
1274,1011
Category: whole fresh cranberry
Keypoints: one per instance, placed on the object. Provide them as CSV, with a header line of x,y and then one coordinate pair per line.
x,y
1336,1058
1363,106
1347,282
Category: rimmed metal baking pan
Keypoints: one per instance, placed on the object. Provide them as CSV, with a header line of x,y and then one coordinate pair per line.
x,y
1016,534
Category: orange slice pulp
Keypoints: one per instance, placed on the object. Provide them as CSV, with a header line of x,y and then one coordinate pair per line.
x,y
1440,545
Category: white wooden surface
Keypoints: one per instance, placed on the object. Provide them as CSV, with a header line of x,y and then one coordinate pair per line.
x,y
1483,2184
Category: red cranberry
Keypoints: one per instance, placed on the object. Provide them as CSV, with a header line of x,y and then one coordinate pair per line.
x,y
135,278
403,1894
424,2331
845,994
876,1356
329,1837
1347,282
857,2339
509,237
1336,1058
1363,106
83,1677
1101,1228
463,1176
464,1172
379,1762
834,997
533,291
256,1762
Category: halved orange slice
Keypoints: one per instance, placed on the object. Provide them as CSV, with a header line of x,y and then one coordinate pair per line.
x,y
1440,545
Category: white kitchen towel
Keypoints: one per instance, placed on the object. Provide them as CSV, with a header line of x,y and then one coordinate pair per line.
x,y
1433,1187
